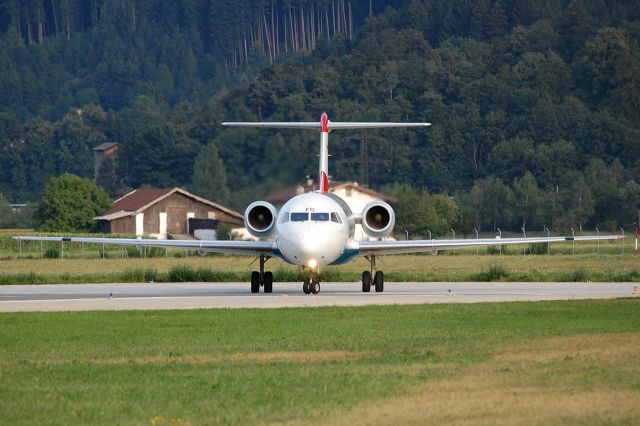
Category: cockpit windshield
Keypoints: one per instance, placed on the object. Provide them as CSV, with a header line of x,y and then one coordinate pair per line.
x,y
315,217
299,217
320,217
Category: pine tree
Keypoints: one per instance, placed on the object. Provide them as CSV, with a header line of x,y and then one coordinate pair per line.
x,y
209,176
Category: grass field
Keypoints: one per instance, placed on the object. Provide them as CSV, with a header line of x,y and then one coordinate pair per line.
x,y
462,267
521,363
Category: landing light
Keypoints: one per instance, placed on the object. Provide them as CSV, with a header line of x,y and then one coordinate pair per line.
x,y
313,263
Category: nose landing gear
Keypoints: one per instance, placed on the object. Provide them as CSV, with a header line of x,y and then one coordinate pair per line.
x,y
262,278
378,277
311,283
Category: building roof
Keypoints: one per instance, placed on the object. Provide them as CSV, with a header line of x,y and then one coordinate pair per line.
x,y
104,146
284,195
364,190
139,200
114,216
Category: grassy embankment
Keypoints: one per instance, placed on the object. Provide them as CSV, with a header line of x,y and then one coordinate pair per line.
x,y
528,363
467,267
83,263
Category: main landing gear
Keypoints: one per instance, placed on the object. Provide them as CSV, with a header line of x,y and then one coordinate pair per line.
x,y
378,277
311,283
262,278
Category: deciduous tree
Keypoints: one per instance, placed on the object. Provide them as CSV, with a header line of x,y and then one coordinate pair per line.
x,y
70,204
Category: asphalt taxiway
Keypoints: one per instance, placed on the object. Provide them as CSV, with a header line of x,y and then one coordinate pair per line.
x,y
84,297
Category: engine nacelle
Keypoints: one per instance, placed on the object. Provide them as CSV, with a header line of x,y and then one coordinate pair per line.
x,y
260,218
378,219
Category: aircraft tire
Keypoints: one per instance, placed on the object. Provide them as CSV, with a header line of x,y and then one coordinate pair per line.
x,y
255,282
366,281
306,288
315,286
268,282
378,281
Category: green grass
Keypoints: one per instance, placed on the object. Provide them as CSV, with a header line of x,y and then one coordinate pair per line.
x,y
320,365
462,267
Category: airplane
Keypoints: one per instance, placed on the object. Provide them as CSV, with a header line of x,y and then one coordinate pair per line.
x,y
316,229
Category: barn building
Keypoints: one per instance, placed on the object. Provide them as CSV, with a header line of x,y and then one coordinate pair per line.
x,y
166,213
356,197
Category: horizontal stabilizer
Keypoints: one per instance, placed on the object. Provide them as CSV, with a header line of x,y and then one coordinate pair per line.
x,y
316,125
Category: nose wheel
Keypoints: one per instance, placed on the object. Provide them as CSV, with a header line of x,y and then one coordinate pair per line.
x,y
261,278
372,278
311,283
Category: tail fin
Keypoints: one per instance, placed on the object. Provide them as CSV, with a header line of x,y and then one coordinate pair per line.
x,y
325,126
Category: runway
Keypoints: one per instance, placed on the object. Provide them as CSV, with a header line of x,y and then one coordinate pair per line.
x,y
85,297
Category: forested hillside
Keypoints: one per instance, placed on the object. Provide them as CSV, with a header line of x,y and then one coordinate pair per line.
x,y
535,105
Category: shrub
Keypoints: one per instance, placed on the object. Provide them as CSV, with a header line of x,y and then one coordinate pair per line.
x,y
496,250
494,273
52,253
138,275
539,248
578,275
182,274
205,275
133,251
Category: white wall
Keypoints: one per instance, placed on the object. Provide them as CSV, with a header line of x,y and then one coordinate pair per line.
x,y
140,224
163,226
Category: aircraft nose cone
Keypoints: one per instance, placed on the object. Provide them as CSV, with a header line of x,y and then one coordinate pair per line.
x,y
316,246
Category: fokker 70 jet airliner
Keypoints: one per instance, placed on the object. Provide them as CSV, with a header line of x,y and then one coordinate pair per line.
x,y
316,229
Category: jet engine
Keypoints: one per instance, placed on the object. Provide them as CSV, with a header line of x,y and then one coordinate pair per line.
x,y
378,219
260,218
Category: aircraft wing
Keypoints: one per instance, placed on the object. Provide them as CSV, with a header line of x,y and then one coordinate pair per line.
x,y
235,247
418,246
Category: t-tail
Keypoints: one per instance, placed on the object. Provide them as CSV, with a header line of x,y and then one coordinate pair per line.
x,y
325,126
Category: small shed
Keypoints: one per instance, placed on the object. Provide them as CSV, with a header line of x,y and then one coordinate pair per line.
x,y
165,213
102,151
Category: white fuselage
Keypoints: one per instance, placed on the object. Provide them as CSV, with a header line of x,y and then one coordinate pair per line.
x,y
312,229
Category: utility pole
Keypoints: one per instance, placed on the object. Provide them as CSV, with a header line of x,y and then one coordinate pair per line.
x,y
364,161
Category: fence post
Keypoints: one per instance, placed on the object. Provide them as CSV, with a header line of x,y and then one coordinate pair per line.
x,y
454,237
622,239
549,243
598,241
476,231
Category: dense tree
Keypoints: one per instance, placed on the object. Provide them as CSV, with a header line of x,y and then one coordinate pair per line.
x,y
107,178
209,176
491,199
527,201
70,204
420,212
518,92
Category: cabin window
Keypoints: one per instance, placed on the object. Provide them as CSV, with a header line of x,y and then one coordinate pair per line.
x,y
335,218
285,217
320,217
299,217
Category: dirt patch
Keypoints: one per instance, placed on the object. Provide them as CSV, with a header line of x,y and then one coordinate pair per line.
x,y
239,358
601,348
494,392
478,400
